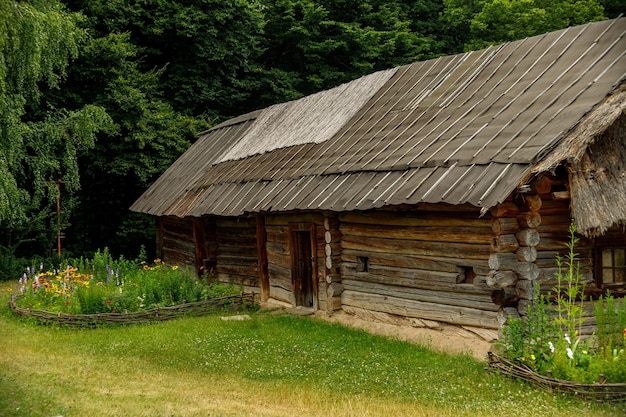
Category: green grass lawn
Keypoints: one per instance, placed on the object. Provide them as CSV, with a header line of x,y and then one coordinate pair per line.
x,y
271,365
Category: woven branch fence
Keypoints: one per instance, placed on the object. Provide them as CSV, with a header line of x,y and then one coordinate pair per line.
x,y
610,392
199,308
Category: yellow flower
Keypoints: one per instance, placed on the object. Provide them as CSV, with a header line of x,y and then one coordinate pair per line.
x,y
585,352
532,357
175,267
9,289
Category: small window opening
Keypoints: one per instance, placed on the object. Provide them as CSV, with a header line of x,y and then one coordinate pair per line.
x,y
468,275
613,266
362,264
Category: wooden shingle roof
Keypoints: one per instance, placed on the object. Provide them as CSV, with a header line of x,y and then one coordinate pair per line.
x,y
458,129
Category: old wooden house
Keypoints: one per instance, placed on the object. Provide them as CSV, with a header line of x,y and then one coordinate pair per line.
x,y
440,190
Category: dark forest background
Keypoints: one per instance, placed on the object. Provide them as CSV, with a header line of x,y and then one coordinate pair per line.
x,y
99,97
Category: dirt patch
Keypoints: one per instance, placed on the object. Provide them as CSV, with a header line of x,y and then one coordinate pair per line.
x,y
438,336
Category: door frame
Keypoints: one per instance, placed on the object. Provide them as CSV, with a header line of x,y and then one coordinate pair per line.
x,y
305,227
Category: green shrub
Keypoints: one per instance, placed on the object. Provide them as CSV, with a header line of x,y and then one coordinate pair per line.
x,y
105,285
548,339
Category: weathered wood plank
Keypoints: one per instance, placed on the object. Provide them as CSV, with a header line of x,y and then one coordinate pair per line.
x,y
283,219
430,234
505,226
420,309
462,299
412,219
452,250
402,260
412,278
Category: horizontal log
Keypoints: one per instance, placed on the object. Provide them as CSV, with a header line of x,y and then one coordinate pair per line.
x,y
229,250
429,234
335,289
548,276
451,250
506,209
286,218
504,243
461,299
239,260
526,254
529,219
279,272
410,219
528,237
554,207
525,289
235,223
561,195
541,185
503,261
527,270
504,225
401,276
501,279
402,260
419,309
248,239
412,279
506,314
282,294
238,269
180,246
177,258
529,202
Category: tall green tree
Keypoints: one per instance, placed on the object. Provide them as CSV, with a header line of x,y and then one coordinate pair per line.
x,y
38,145
320,44
480,23
206,50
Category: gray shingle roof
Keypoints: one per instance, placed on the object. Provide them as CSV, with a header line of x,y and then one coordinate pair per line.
x,y
457,129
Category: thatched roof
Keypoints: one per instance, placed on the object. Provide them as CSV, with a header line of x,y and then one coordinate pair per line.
x,y
460,129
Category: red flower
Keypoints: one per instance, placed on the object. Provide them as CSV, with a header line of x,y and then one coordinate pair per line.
x,y
108,301
67,303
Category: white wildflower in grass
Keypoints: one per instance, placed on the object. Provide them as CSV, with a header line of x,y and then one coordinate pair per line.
x,y
551,347
567,339
570,353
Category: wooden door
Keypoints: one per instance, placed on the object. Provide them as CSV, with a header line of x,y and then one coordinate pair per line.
x,y
302,268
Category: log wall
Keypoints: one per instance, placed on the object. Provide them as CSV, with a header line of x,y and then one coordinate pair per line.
x,y
538,221
430,263
277,229
175,242
237,258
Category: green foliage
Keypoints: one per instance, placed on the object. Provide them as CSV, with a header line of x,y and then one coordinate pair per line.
x,y
478,24
38,146
610,317
321,44
103,284
548,339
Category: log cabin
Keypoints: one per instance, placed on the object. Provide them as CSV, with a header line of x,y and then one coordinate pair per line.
x,y
439,191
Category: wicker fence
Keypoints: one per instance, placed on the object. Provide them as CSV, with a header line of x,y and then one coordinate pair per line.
x,y
200,308
599,392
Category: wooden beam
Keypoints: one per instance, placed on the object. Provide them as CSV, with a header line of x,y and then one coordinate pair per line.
x,y
261,246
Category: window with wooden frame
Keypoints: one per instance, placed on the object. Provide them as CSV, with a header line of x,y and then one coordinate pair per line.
x,y
610,263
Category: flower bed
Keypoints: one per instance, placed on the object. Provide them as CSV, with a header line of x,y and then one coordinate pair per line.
x,y
199,308
546,345
103,290
601,391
